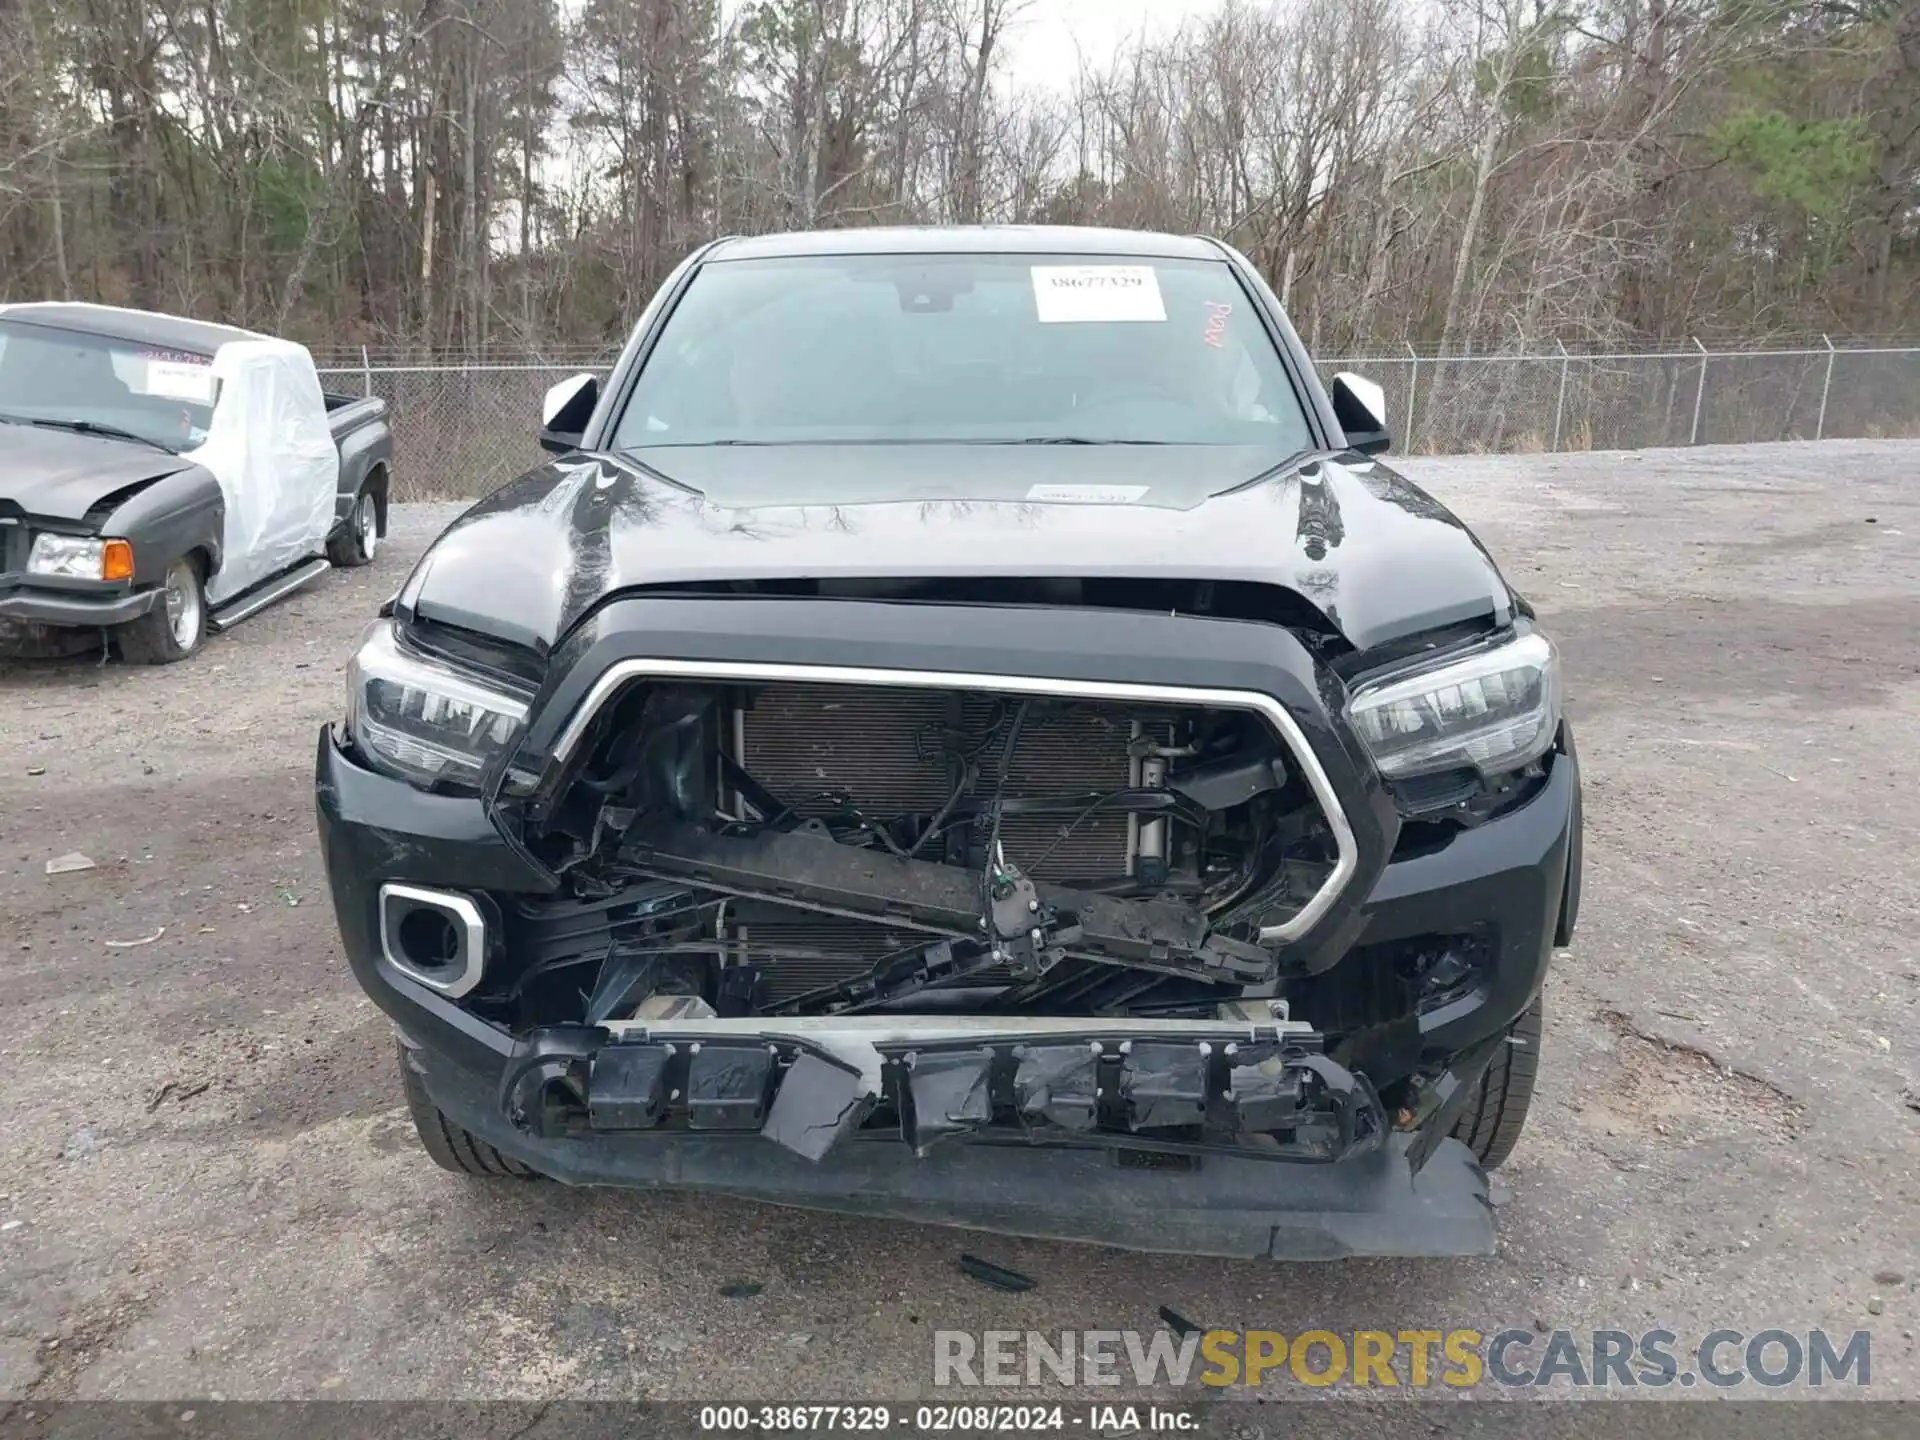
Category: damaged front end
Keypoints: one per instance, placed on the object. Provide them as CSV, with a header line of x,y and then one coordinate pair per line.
x,y
1172,1087
1152,964
819,910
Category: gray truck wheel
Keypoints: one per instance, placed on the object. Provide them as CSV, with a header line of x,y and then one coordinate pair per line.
x,y
356,544
451,1147
174,628
1491,1124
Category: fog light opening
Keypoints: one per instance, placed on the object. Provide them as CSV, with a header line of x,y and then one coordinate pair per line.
x,y
429,939
433,936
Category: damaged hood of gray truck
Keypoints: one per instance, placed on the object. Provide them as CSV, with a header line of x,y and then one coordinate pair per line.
x,y
1376,555
66,476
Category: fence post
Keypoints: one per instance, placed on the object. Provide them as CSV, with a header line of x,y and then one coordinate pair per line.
x,y
1413,392
1560,405
1700,391
1820,428
366,370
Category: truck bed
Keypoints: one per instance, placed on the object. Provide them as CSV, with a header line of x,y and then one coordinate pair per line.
x,y
347,413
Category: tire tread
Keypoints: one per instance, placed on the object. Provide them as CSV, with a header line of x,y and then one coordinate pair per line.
x,y
1490,1126
343,549
149,640
447,1144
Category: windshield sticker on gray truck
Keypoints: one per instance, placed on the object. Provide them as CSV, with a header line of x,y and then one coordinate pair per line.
x,y
179,380
1087,494
1097,294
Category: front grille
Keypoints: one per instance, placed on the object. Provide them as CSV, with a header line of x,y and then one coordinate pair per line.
x,y
882,748
15,541
887,748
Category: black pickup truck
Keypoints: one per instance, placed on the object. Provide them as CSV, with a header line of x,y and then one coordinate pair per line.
x,y
967,729
163,477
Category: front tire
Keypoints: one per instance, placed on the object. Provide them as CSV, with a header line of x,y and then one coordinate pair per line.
x,y
450,1146
1496,1112
356,544
174,628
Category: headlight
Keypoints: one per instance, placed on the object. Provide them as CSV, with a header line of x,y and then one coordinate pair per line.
x,y
421,719
78,557
1493,711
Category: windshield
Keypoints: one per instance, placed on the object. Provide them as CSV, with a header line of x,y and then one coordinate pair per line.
x,y
925,349
68,377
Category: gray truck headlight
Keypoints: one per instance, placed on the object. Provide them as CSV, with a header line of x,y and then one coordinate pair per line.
x,y
1494,710
80,557
420,718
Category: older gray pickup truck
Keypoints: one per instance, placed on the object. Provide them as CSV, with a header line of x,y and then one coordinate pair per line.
x,y
163,477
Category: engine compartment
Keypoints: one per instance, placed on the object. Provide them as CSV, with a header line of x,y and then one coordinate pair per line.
x,y
797,848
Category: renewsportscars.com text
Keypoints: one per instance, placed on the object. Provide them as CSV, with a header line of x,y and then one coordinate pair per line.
x,y
1722,1359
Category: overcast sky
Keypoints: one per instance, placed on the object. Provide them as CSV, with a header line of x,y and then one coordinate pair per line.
x,y
1045,47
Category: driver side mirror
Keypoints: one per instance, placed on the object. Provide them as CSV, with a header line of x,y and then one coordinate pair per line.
x,y
565,411
1360,405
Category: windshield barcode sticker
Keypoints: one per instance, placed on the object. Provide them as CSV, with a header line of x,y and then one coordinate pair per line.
x,y
177,380
1087,494
1097,294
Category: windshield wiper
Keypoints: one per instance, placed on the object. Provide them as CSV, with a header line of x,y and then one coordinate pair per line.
x,y
92,427
1075,440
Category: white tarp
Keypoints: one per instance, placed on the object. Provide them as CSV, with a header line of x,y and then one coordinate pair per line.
x,y
270,450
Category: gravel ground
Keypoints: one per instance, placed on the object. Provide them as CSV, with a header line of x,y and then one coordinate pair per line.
x,y
213,1190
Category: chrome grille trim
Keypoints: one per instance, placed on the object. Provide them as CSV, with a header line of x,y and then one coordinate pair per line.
x,y
625,672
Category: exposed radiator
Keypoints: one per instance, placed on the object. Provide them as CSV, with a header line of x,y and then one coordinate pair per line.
x,y
882,747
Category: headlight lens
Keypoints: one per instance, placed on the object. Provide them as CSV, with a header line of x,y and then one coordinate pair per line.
x,y
1494,711
420,718
71,557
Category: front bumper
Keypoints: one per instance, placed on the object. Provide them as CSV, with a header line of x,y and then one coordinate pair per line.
x,y
31,605
1415,1193
1226,1205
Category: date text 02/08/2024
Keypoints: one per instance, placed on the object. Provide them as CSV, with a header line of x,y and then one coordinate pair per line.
x,y
944,1419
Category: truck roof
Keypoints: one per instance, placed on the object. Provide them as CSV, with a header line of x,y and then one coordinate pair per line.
x,y
144,327
969,240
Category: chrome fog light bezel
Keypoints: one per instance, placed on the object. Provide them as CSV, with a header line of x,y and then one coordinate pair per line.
x,y
471,924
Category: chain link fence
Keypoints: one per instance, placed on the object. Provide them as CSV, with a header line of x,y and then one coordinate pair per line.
x,y
464,429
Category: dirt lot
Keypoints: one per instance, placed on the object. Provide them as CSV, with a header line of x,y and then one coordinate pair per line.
x,y
212,1189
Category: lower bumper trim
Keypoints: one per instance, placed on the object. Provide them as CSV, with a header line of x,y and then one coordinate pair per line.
x,y
1220,1205
48,607
1195,1088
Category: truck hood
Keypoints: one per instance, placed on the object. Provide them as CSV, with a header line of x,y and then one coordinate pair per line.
x,y
1377,555
63,476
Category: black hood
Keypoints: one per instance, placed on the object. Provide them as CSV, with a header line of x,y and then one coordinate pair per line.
x,y
1377,555
62,475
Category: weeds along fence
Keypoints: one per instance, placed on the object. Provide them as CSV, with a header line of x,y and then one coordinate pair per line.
x,y
463,428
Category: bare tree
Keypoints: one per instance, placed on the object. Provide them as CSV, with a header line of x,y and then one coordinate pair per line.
x,y
1473,175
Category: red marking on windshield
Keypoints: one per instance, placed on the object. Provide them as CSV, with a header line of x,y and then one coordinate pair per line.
x,y
1217,324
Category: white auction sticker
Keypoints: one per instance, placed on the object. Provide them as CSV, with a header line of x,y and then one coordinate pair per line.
x,y
1087,494
177,380
1097,294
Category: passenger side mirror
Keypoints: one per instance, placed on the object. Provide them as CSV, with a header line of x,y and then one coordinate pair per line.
x,y
1360,406
565,411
